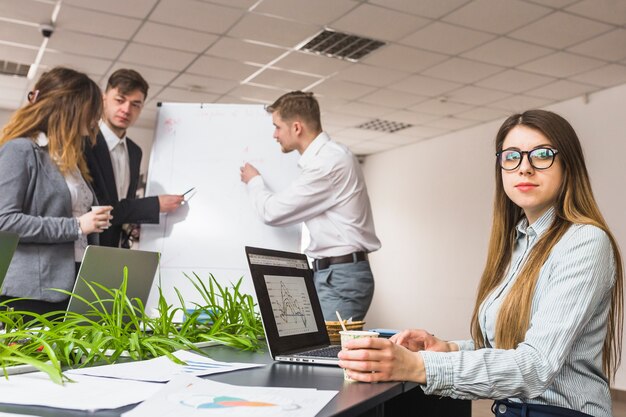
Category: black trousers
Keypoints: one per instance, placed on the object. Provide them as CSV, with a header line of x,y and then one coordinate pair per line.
x,y
505,408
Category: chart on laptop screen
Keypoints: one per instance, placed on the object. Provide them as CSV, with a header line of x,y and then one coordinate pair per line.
x,y
291,305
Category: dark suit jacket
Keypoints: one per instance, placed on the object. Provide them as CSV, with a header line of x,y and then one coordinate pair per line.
x,y
127,209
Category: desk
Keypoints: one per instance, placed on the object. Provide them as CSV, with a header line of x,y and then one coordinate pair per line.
x,y
354,399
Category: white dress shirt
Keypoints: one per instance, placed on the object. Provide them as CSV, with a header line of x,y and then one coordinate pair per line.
x,y
81,197
119,160
329,196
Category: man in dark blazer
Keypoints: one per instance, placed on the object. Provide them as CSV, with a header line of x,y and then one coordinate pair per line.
x,y
115,160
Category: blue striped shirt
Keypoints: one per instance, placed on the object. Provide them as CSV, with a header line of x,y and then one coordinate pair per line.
x,y
559,362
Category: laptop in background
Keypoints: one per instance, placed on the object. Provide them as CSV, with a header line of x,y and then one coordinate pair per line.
x,y
8,243
105,266
290,309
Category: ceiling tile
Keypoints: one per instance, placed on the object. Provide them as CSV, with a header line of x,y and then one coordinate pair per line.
x,y
21,55
410,117
369,75
321,12
83,44
275,31
97,23
520,103
393,99
403,58
440,107
26,10
462,70
20,34
174,37
260,93
506,52
244,51
204,84
398,138
172,94
361,134
557,4
342,120
514,81
483,114
423,131
560,30
562,90
343,89
424,86
475,95
311,63
496,16
236,100
610,11
284,79
196,15
155,76
329,104
221,68
446,39
379,23
451,123
156,57
241,4
562,64
432,9
80,63
607,76
134,8
610,46
368,110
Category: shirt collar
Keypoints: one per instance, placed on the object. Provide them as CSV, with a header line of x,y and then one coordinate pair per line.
x,y
109,136
313,149
540,226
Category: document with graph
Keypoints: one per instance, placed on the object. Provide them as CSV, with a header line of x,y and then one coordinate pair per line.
x,y
291,305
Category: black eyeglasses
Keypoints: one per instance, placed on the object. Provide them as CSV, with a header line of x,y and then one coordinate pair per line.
x,y
539,158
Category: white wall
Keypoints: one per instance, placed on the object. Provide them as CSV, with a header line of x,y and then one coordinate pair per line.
x,y
432,204
4,117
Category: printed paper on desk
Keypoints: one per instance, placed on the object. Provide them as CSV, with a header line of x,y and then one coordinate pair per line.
x,y
85,393
190,396
162,369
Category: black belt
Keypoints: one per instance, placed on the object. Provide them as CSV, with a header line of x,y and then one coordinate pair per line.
x,y
344,259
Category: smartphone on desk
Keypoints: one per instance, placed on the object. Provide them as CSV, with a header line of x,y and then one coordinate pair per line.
x,y
386,333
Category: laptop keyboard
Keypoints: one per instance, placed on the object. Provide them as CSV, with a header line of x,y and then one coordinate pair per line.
x,y
325,352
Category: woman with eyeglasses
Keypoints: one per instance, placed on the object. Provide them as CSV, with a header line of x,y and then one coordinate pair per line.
x,y
43,193
547,323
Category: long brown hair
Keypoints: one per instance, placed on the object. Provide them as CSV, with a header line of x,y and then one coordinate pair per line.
x,y
65,105
575,205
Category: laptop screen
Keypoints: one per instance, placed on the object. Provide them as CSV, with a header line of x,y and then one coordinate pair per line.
x,y
289,306
8,243
105,266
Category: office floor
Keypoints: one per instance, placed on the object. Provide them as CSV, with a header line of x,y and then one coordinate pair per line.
x,y
482,408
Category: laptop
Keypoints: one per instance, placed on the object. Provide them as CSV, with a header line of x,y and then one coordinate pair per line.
x,y
290,309
8,243
105,266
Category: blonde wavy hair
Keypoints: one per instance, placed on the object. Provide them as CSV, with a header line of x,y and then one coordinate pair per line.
x,y
65,105
575,205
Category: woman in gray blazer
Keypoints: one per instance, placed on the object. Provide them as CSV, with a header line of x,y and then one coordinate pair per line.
x,y
44,196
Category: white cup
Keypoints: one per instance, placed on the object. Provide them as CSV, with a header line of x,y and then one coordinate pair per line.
x,y
347,335
97,208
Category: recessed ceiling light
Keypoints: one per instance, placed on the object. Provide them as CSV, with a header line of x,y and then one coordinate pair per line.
x,y
341,45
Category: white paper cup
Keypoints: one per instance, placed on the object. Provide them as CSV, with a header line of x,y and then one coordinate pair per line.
x,y
96,208
347,335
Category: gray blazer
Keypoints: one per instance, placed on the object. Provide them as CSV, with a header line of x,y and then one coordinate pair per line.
x,y
35,203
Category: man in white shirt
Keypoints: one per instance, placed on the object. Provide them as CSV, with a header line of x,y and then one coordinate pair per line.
x,y
330,197
114,160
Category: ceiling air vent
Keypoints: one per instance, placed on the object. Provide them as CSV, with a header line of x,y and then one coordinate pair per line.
x,y
341,45
387,126
13,68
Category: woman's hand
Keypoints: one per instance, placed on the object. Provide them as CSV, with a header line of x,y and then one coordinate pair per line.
x,y
376,359
418,339
95,221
